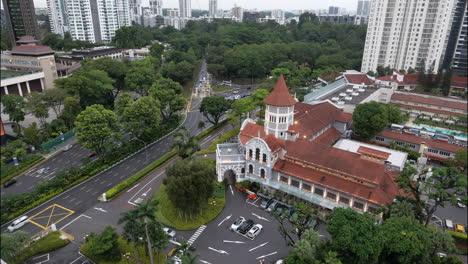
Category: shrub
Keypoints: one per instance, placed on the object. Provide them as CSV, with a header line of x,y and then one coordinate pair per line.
x,y
50,242
13,171
212,147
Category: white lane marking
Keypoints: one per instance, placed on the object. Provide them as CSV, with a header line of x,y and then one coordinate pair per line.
x,y
204,261
133,187
230,187
259,217
103,182
72,200
267,255
261,245
89,190
78,202
196,234
174,242
75,260
219,251
110,183
100,209
144,186
46,255
235,242
66,197
63,227
227,217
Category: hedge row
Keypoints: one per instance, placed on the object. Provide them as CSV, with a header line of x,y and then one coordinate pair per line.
x,y
119,188
48,243
13,170
211,129
461,237
212,147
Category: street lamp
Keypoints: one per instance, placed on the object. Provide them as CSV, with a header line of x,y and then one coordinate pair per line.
x,y
146,150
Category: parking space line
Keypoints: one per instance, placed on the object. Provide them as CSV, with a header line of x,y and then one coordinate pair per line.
x,y
196,234
63,227
88,190
78,202
264,256
103,182
259,246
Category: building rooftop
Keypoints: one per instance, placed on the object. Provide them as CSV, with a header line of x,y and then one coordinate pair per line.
x,y
430,100
6,74
32,50
280,95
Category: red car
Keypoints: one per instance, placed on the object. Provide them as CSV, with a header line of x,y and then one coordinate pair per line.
x,y
91,154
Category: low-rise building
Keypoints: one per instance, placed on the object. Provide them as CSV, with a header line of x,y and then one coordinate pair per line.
x,y
21,82
99,52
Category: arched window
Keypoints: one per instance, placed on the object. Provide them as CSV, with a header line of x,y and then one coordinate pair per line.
x,y
250,153
257,154
243,170
250,169
262,173
264,158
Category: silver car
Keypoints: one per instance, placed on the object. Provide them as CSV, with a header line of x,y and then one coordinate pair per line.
x,y
239,221
254,231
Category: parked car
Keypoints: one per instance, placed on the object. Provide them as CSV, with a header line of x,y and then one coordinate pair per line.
x,y
91,154
169,232
255,230
265,203
18,223
459,228
67,147
239,221
460,203
272,206
448,224
245,227
9,183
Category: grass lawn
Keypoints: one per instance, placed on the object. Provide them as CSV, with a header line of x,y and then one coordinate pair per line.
x,y
127,247
168,215
221,88
187,92
48,243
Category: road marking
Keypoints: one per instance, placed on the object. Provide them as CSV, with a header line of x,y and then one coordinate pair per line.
x,y
252,249
89,190
82,188
66,197
174,242
204,261
219,251
103,182
227,217
100,209
110,183
75,260
45,214
63,227
235,242
121,177
133,187
260,217
46,255
230,187
267,255
196,234
72,200
144,186
78,202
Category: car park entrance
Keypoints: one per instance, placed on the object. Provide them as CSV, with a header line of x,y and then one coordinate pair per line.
x,y
230,176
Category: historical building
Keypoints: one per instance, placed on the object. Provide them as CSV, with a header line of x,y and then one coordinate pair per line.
x,y
293,153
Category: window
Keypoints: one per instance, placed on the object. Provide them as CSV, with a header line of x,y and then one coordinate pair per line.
x,y
318,191
257,154
306,187
264,158
250,169
379,138
331,196
250,153
372,210
284,179
344,200
358,205
243,170
295,183
262,173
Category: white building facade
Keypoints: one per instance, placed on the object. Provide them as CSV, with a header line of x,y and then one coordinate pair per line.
x,y
401,33
156,7
213,8
185,8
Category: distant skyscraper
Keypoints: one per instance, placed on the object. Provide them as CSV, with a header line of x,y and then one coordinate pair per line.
x,y
278,15
185,9
135,10
172,12
333,10
456,55
402,33
20,18
363,7
238,13
156,7
213,7
57,16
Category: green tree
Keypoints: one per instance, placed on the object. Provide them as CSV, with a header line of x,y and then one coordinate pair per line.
x,y
142,118
240,108
32,135
122,102
258,97
54,98
114,69
37,107
369,119
13,106
393,114
71,109
441,241
105,245
167,93
97,129
133,228
140,79
185,144
11,244
190,184
213,108
355,235
400,207
12,148
156,50
462,157
180,72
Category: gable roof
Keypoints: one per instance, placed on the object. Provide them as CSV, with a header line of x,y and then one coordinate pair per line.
x,y
430,100
360,78
280,95
32,50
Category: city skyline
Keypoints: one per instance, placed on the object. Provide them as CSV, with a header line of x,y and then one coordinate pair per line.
x,y
350,5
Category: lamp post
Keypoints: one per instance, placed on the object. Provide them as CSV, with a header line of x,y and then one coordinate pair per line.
x,y
146,150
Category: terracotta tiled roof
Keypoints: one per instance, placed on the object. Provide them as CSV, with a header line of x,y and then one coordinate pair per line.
x,y
280,95
413,79
358,79
329,137
386,78
331,75
459,81
430,110
32,50
250,131
430,100
274,144
373,152
381,194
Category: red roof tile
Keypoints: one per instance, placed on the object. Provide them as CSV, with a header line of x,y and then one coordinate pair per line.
x,y
358,79
430,110
330,76
31,50
250,131
329,137
430,100
459,81
280,95
373,152
274,144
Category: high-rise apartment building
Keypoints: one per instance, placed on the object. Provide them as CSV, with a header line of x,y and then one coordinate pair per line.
x,y
402,33
363,7
21,19
457,46
185,9
278,15
213,8
238,13
135,11
172,12
89,20
156,7
333,10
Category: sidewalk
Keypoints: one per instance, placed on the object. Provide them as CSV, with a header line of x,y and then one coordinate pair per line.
x,y
60,147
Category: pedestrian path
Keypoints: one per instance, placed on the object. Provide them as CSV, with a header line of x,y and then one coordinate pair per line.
x,y
196,234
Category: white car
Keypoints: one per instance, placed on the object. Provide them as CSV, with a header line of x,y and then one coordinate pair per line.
x,y
18,223
254,231
460,204
169,232
239,221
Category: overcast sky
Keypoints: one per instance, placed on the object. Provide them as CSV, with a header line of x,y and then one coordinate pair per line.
x,y
350,5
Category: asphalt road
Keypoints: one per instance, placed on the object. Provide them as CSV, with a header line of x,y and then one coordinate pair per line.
x,y
47,170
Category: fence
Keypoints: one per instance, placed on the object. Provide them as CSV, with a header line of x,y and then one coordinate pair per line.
x,y
58,140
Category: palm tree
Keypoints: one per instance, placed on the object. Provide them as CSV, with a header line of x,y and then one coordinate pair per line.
x,y
146,212
185,248
188,259
132,229
185,144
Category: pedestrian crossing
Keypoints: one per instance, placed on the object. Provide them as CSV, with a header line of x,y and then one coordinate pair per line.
x,y
196,234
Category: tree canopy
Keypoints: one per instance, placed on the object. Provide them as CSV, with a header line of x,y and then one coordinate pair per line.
x,y
371,118
214,107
